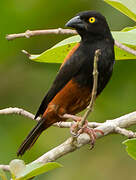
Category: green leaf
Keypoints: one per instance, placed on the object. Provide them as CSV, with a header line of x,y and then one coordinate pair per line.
x,y
126,37
128,7
3,175
130,29
123,55
17,166
36,169
131,147
58,52
20,171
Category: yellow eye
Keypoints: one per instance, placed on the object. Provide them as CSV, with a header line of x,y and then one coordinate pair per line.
x,y
92,19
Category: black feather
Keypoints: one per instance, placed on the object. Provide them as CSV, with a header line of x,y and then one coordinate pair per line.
x,y
67,72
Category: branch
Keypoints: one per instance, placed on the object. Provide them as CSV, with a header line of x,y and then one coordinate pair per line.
x,y
18,111
111,126
5,167
94,90
108,127
125,48
29,34
29,115
80,121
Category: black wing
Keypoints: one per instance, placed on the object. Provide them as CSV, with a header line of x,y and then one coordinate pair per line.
x,y
68,70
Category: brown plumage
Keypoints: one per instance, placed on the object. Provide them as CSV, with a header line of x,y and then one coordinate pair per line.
x,y
71,90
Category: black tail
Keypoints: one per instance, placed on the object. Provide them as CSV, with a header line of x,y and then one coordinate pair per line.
x,y
32,137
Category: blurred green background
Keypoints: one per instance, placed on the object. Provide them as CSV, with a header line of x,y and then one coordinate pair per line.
x,y
24,83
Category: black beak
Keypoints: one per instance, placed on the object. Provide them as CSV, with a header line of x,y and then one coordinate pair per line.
x,y
75,22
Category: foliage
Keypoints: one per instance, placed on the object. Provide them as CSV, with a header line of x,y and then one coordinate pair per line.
x,y
3,175
126,7
57,53
131,147
20,171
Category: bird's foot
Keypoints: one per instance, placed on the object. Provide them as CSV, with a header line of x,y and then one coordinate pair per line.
x,y
76,131
91,132
75,126
70,116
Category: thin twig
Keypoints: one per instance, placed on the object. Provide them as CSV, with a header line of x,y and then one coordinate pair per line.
x,y
4,167
94,90
125,132
30,33
81,121
125,48
29,115
18,111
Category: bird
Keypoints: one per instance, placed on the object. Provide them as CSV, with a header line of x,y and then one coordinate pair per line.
x,y
71,91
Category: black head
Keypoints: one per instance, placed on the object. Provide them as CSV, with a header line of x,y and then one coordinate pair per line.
x,y
89,22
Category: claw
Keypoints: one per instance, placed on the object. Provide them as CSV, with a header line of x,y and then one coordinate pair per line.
x,y
73,130
92,133
59,124
74,134
85,129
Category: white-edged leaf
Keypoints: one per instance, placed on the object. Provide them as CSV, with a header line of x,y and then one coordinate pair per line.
x,y
57,53
128,7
